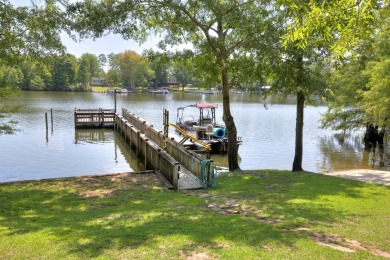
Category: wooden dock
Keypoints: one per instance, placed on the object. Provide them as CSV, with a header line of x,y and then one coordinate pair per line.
x,y
178,167
188,181
94,117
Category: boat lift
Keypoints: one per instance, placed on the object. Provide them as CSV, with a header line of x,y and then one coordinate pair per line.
x,y
187,136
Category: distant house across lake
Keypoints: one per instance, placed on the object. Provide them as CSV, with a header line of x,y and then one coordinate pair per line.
x,y
98,81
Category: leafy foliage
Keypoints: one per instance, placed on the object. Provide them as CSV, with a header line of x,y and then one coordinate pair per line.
x,y
88,66
359,86
63,72
33,30
341,23
134,69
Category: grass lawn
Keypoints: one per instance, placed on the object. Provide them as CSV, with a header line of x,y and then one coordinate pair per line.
x,y
99,89
252,215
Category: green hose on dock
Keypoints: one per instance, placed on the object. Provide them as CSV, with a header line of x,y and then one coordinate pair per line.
x,y
208,174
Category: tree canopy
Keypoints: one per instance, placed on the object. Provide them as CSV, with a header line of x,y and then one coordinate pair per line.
x,y
33,30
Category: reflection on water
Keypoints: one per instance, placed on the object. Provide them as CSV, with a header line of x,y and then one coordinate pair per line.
x,y
93,136
106,136
347,152
268,135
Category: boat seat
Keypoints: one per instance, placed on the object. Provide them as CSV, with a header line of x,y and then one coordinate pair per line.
x,y
209,131
206,121
190,123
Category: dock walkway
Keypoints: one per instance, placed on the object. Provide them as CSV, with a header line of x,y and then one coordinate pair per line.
x,y
179,167
188,181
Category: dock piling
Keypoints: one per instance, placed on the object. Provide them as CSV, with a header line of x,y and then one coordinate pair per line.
x,y
47,126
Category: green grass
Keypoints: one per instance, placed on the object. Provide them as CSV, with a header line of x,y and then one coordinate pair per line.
x,y
99,89
281,215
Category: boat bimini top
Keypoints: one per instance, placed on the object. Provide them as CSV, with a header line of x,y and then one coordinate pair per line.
x,y
204,118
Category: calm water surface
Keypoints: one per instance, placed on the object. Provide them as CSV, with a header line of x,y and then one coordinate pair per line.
x,y
268,134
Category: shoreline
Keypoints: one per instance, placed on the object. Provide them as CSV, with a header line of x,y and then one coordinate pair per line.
x,y
364,175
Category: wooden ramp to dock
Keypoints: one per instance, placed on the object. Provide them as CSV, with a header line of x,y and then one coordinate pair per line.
x,y
188,181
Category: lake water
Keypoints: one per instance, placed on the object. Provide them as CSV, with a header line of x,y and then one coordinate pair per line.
x,y
268,134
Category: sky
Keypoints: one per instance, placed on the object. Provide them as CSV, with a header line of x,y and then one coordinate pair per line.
x,y
106,45
112,43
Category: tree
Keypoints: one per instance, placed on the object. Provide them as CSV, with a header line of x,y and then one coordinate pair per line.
x,y
376,98
111,60
299,72
159,63
342,23
63,72
182,73
358,84
37,83
14,77
102,61
217,29
347,81
113,77
134,69
296,70
88,66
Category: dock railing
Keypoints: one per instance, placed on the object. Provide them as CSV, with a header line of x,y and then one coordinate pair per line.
x,y
189,159
159,159
94,117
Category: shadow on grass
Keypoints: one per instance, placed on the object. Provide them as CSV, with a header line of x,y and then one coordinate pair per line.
x,y
116,215
303,198
94,215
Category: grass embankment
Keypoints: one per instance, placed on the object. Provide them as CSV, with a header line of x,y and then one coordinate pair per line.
x,y
262,214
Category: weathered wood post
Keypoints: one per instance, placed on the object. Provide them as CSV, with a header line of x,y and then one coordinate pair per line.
x,y
75,117
157,168
175,177
131,136
47,127
138,141
115,100
126,129
146,152
166,122
51,117
102,118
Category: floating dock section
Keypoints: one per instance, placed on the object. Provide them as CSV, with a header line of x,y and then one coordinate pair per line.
x,y
178,167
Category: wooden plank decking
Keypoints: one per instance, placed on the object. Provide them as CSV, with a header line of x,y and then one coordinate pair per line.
x,y
188,181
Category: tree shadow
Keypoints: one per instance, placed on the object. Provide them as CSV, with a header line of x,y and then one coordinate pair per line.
x,y
301,199
93,215
116,214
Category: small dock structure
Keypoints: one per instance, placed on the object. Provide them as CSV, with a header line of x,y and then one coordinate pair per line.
x,y
94,117
178,167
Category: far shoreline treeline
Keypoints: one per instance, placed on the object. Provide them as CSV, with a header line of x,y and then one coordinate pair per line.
x,y
127,69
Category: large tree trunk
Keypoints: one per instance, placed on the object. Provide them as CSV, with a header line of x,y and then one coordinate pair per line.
x,y
229,122
297,164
